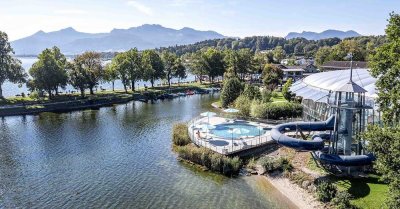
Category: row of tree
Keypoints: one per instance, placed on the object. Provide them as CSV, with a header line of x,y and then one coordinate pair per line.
x,y
53,71
292,47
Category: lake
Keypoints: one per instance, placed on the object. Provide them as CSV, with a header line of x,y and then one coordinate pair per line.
x,y
10,89
115,157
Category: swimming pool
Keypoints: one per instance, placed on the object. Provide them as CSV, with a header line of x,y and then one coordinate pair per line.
x,y
240,130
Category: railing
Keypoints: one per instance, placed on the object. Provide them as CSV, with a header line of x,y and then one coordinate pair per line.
x,y
236,145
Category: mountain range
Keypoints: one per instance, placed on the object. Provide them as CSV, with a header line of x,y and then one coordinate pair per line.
x,y
143,37
325,34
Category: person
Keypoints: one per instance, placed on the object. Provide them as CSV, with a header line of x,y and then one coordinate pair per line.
x,y
198,133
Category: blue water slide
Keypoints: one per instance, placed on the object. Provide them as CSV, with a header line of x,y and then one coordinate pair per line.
x,y
317,142
345,160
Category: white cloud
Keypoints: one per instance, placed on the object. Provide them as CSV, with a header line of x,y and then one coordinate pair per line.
x,y
141,7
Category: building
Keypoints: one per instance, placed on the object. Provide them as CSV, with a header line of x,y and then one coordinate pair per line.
x,y
297,72
317,92
342,65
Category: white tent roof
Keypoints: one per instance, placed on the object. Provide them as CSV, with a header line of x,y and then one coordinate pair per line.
x,y
318,85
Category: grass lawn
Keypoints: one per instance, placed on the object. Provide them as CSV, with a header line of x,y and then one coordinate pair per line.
x,y
279,98
368,193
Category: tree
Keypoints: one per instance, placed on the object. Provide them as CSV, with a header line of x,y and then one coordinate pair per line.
x,y
240,62
279,54
385,66
110,74
135,70
10,68
384,141
179,70
251,92
49,72
152,65
340,51
323,55
169,60
286,90
120,64
272,76
230,91
78,76
91,64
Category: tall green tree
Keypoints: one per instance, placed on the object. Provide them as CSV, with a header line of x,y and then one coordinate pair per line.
x,y
287,94
91,63
169,60
384,141
10,67
135,70
110,74
78,76
179,70
121,65
153,66
272,76
240,62
49,72
323,55
279,54
230,91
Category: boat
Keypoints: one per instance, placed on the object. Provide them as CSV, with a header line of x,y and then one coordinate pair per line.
x,y
189,92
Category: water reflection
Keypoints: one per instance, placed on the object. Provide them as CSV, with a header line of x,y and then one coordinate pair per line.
x,y
115,157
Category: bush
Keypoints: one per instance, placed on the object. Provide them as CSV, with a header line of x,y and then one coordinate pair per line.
x,y
251,92
271,164
326,191
267,163
243,104
213,161
252,164
180,135
266,95
287,94
299,177
275,94
275,110
342,200
230,91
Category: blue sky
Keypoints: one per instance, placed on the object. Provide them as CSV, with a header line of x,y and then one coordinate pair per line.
x,y
20,18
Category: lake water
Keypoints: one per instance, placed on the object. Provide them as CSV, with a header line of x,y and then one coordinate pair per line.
x,y
115,157
10,89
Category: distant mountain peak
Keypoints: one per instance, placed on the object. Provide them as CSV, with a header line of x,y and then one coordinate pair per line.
x,y
146,36
330,33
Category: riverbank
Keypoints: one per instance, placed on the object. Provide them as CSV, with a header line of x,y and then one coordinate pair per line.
x,y
73,101
297,195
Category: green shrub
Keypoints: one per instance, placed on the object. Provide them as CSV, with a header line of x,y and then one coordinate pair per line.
x,y
268,163
272,164
287,94
299,177
275,110
275,94
252,164
326,191
251,92
284,164
243,104
213,161
342,200
266,95
180,134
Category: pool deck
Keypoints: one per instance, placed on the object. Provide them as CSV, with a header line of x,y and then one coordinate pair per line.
x,y
226,146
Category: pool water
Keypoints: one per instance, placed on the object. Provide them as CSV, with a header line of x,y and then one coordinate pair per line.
x,y
240,130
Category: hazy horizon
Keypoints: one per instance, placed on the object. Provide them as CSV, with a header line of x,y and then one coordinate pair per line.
x,y
236,18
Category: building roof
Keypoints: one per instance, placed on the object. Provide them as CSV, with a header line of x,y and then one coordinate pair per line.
x,y
319,85
293,70
344,64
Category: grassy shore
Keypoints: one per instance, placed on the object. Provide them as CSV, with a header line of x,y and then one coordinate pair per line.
x,y
102,94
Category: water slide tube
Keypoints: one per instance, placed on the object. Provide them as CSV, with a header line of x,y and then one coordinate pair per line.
x,y
317,142
345,160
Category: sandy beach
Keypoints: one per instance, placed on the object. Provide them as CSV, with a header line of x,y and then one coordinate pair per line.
x,y
298,196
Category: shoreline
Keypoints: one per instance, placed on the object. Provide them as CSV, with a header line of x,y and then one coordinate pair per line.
x,y
298,196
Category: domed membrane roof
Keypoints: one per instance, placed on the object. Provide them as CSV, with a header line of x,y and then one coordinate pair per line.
x,y
319,85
